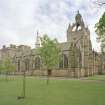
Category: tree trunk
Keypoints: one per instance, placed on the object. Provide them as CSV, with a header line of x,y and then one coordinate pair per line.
x,y
49,72
6,76
24,84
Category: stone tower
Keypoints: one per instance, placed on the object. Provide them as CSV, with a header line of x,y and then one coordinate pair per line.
x,y
79,36
37,44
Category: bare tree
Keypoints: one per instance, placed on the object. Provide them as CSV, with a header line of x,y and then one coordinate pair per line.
x,y
99,3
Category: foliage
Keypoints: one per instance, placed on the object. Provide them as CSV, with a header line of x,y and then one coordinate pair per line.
x,y
100,3
1,66
49,52
100,30
7,65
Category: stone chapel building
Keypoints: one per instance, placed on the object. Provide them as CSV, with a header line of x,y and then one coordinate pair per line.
x,y
76,57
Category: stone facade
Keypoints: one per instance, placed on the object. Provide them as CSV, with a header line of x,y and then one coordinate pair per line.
x,y
76,57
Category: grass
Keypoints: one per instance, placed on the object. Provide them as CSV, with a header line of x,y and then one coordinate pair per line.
x,y
58,92
97,77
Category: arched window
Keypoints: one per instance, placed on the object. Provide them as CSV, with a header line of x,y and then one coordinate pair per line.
x,y
37,63
63,61
18,65
60,62
27,64
80,60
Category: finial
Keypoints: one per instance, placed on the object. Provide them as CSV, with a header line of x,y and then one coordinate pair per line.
x,y
69,25
37,33
78,12
78,15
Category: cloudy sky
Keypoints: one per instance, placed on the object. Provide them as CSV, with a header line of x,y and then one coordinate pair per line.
x,y
20,19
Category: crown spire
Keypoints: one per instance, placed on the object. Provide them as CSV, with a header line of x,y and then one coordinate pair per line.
x,y
78,12
37,44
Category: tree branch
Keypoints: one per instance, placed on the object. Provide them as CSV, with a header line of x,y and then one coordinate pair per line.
x,y
100,2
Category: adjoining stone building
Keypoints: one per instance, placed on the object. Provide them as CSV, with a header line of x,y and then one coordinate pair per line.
x,y
76,57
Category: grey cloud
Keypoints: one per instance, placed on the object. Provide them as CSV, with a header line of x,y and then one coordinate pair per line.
x,y
20,19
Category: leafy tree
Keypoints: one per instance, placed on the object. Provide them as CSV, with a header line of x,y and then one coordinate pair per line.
x,y
1,67
99,2
49,53
8,66
100,30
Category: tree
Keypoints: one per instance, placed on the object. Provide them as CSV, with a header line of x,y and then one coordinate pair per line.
x,y
49,53
100,30
99,2
1,67
8,66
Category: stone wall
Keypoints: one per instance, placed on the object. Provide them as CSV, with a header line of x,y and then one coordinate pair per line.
x,y
72,73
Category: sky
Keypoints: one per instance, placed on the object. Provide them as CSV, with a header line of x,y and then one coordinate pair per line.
x,y
21,19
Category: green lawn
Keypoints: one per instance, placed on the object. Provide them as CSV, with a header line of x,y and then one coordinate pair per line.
x,y
58,92
97,77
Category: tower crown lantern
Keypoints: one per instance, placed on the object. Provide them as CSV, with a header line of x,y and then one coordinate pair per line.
x,y
78,17
77,29
79,24
79,21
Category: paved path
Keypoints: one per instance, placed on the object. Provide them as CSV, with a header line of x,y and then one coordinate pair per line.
x,y
85,79
79,79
